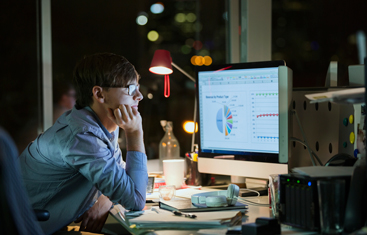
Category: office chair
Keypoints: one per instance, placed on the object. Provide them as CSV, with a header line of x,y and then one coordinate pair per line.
x,y
16,214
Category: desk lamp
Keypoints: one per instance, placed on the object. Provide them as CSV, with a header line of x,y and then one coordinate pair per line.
x,y
162,64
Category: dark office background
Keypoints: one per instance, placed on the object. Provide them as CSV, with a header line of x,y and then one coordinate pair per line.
x,y
306,34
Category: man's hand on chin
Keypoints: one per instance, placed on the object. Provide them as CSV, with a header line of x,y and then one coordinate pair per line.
x,y
94,219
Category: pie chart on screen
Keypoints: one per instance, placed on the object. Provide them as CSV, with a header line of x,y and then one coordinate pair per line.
x,y
224,120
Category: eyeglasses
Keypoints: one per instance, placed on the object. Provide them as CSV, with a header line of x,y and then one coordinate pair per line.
x,y
131,89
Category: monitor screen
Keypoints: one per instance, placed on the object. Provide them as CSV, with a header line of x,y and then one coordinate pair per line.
x,y
239,111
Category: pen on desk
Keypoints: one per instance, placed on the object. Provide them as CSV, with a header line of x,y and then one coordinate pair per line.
x,y
121,216
154,209
192,216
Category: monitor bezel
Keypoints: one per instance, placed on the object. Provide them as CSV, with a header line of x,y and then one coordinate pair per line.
x,y
245,156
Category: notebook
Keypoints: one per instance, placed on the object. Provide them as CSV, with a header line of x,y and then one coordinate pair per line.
x,y
185,205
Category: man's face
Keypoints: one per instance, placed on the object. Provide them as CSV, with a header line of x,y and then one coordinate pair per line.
x,y
120,95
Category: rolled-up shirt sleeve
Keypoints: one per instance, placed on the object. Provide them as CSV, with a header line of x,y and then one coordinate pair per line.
x,y
136,168
95,160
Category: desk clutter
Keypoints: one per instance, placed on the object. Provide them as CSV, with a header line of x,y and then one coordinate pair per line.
x,y
157,185
163,219
305,199
179,211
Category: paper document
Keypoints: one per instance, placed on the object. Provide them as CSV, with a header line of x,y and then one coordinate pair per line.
x,y
346,96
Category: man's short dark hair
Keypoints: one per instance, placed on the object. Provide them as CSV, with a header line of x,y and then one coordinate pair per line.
x,y
104,70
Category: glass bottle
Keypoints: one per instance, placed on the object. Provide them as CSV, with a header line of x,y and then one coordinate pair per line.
x,y
169,148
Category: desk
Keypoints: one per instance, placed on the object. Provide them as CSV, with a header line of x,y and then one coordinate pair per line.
x,y
113,227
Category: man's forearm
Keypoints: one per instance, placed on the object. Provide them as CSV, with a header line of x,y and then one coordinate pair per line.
x,y
135,142
136,168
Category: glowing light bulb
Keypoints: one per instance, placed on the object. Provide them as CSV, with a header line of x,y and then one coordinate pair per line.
x,y
160,70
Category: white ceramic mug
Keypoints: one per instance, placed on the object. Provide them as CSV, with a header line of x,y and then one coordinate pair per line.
x,y
173,170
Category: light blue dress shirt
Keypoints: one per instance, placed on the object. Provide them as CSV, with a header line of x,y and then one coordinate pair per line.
x,y
68,166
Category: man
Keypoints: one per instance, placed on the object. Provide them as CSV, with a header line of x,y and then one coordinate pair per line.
x,y
75,169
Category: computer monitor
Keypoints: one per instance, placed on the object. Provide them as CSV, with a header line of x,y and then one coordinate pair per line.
x,y
243,118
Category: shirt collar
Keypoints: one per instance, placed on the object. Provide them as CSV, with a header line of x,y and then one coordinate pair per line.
x,y
108,134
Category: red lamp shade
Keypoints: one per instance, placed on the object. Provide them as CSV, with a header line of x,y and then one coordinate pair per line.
x,y
161,63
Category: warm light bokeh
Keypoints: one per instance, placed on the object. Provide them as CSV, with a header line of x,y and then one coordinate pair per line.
x,y
153,35
208,60
188,126
200,60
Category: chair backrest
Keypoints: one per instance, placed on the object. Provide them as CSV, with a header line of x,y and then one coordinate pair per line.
x,y
16,214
